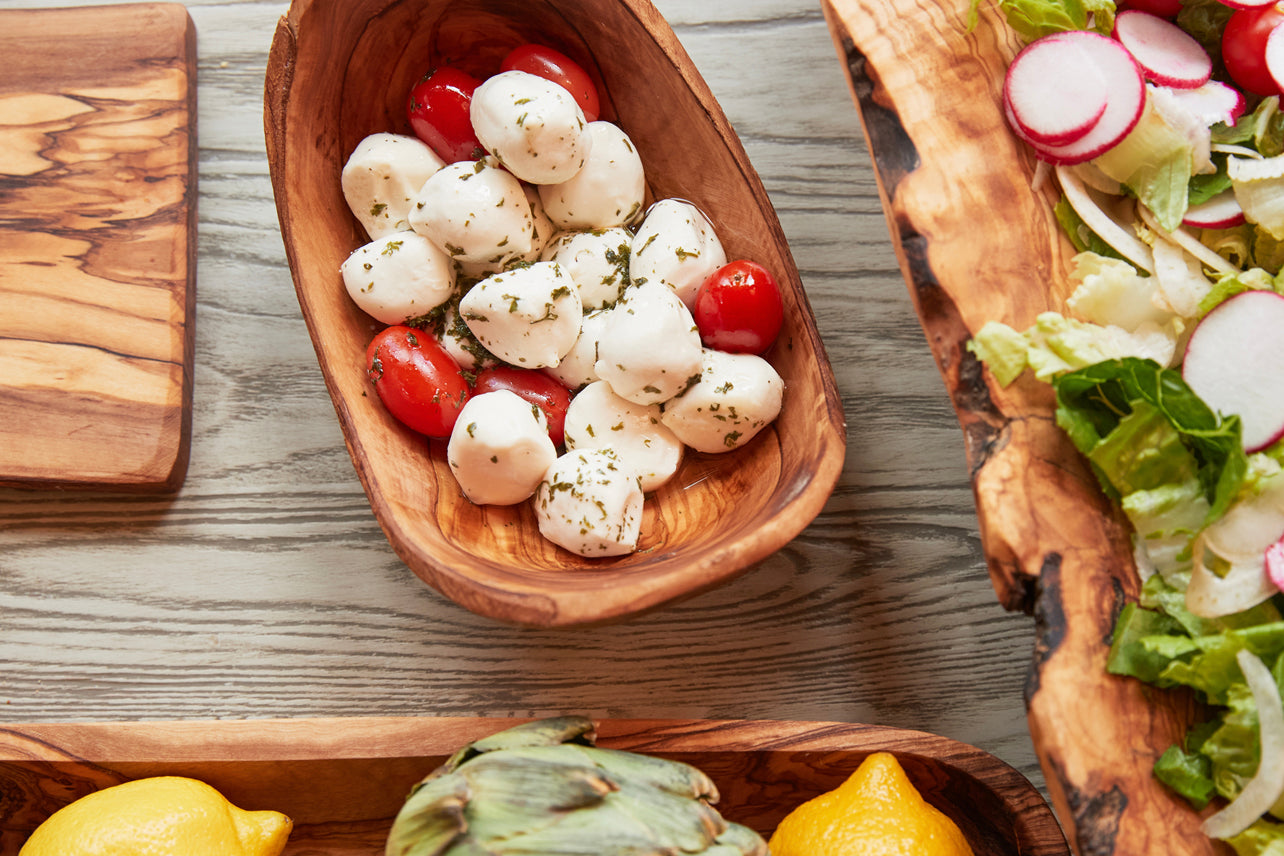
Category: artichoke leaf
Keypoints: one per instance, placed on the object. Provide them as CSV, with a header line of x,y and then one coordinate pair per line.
x,y
431,819
671,776
690,825
541,732
521,790
745,841
602,831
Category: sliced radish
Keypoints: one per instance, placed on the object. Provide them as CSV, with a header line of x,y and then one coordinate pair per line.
x,y
1246,4
1126,102
1220,212
1275,55
1054,92
1233,362
1213,102
1275,564
1167,54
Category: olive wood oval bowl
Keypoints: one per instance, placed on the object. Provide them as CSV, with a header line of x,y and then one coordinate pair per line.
x,y
342,780
341,69
976,242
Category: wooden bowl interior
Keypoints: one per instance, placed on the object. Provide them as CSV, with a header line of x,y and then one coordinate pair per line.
x,y
344,803
340,71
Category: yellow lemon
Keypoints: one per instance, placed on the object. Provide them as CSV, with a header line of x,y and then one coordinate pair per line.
x,y
876,812
158,816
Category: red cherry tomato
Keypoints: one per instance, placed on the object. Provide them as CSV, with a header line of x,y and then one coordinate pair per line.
x,y
738,308
559,68
438,112
534,386
1162,8
1244,47
416,379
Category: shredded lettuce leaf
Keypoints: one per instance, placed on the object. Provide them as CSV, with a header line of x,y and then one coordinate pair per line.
x,y
1095,402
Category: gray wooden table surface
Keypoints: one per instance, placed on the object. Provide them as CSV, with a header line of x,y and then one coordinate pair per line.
x,y
265,588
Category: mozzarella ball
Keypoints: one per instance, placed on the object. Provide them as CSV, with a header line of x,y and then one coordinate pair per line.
x,y
738,395
382,177
543,230
676,244
476,212
590,504
607,191
499,449
649,350
398,277
531,125
578,367
600,419
597,260
528,316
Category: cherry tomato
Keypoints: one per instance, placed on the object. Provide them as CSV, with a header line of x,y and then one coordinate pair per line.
x,y
534,386
1162,8
738,308
1244,47
438,112
416,379
559,68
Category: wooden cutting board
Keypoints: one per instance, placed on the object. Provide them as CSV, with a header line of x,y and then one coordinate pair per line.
x,y
97,245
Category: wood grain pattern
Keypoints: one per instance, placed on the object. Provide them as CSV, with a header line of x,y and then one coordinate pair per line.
x,y
720,513
97,246
977,242
265,588
342,780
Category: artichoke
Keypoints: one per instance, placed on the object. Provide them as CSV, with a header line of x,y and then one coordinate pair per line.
x,y
544,789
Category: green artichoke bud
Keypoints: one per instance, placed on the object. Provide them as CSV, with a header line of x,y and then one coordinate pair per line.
x,y
544,789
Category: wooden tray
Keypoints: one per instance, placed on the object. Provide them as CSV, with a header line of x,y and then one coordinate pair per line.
x,y
976,243
97,245
343,780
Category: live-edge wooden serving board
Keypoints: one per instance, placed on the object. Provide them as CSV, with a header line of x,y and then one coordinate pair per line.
x,y
97,245
977,240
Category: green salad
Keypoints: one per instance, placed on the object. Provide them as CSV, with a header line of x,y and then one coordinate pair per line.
x,y
1168,359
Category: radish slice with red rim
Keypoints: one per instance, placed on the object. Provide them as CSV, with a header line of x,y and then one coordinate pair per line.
x,y
1167,54
1124,107
1233,361
1275,564
1053,91
1220,212
1212,101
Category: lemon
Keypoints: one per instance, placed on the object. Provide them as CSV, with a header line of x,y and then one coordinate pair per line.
x,y
158,816
876,812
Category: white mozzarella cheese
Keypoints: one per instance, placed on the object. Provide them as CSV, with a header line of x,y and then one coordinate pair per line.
x,y
578,367
676,244
598,261
543,229
531,125
499,449
738,395
649,350
381,178
607,191
590,504
527,316
599,419
476,211
398,277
